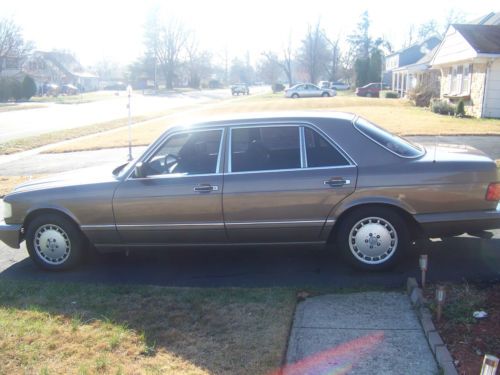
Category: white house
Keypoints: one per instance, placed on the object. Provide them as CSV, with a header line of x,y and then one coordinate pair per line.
x,y
469,61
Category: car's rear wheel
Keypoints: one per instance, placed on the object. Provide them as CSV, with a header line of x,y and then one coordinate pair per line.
x,y
368,94
54,242
373,238
325,94
295,96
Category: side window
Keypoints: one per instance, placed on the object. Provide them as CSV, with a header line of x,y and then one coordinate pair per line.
x,y
187,153
320,153
265,148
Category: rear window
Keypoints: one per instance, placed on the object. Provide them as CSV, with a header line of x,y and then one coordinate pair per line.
x,y
393,143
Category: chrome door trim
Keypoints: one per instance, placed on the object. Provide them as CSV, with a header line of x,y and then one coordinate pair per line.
x,y
303,153
175,226
290,170
275,224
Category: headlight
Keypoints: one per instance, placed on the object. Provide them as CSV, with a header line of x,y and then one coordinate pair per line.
x,y
7,210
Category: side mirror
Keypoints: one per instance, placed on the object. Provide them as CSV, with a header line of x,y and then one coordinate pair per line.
x,y
139,170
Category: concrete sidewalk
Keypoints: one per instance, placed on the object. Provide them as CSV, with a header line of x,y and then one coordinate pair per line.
x,y
358,333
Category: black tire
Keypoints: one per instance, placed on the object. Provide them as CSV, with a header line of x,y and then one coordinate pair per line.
x,y
325,94
54,234
295,96
388,235
368,94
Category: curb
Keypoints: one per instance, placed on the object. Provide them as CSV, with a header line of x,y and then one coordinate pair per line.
x,y
436,343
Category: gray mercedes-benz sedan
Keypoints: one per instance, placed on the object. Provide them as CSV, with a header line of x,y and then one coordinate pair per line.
x,y
301,178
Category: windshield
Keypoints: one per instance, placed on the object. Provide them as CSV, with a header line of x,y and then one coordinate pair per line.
x,y
393,143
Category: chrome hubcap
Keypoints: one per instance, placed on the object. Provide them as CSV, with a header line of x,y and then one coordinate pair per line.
x,y
52,244
373,240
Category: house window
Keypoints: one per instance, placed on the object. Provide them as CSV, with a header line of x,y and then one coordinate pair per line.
x,y
454,81
466,79
450,74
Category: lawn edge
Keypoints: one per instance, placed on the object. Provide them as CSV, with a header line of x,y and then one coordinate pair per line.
x,y
434,339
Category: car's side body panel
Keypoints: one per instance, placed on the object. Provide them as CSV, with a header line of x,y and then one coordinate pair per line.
x,y
163,210
282,205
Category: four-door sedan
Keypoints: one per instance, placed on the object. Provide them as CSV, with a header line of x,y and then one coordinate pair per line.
x,y
308,90
316,179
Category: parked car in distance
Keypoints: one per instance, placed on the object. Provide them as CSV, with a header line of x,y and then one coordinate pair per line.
x,y
324,84
69,89
298,178
308,90
371,90
240,88
340,86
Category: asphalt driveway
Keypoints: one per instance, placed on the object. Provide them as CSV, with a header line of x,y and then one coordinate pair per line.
x,y
453,259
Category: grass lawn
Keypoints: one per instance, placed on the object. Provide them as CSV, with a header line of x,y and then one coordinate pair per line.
x,y
55,328
396,115
31,142
8,107
85,97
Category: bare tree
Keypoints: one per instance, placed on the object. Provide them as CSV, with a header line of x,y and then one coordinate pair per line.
x,y
285,61
268,69
12,43
333,65
313,52
199,62
166,40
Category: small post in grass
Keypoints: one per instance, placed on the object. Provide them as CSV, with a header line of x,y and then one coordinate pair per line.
x,y
440,297
129,93
423,261
490,365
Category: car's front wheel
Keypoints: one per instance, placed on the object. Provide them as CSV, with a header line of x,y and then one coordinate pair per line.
x,y
295,96
54,242
373,238
325,94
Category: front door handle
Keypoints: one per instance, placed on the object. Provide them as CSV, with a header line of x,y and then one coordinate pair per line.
x,y
205,188
337,181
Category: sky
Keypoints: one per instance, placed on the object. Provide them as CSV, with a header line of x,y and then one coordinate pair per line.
x,y
97,30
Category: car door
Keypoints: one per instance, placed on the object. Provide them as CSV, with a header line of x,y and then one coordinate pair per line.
x,y
314,90
271,195
179,198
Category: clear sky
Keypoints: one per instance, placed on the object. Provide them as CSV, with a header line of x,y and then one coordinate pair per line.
x,y
112,29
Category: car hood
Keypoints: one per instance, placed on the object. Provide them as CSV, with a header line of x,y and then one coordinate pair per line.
x,y
77,177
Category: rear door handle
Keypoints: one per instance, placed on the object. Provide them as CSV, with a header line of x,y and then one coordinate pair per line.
x,y
205,188
337,181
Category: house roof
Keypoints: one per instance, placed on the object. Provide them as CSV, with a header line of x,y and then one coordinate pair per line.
x,y
483,38
491,18
422,64
422,45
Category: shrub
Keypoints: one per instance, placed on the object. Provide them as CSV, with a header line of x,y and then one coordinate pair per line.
x,y
422,95
10,88
460,112
442,107
28,87
389,94
278,87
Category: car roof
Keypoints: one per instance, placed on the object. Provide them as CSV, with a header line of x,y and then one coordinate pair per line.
x,y
266,117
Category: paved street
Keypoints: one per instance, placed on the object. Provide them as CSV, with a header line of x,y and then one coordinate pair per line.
x,y
23,123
